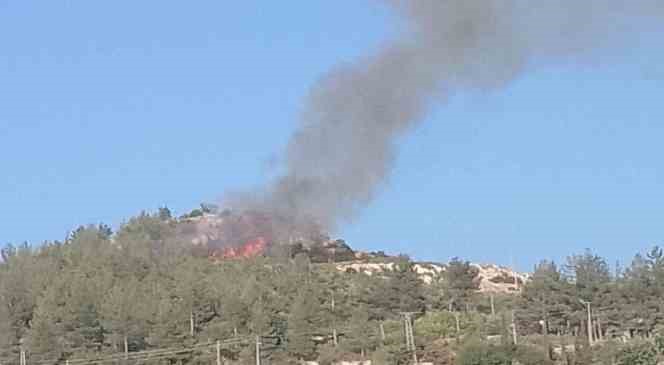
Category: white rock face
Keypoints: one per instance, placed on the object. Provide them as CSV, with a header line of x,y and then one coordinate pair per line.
x,y
366,268
492,278
497,279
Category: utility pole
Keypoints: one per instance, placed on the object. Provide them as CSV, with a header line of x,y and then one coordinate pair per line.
x,y
458,323
410,337
258,350
382,333
493,306
191,323
23,360
218,353
516,280
407,332
514,335
590,321
599,329
335,337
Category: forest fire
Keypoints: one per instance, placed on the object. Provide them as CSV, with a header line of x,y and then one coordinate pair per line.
x,y
249,249
233,235
242,235
229,235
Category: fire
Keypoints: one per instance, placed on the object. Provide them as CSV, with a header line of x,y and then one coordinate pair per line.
x,y
249,249
246,234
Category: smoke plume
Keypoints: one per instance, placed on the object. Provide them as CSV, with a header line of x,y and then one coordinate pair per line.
x,y
345,144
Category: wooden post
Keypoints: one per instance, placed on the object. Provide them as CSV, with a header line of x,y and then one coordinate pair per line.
x,y
493,306
382,333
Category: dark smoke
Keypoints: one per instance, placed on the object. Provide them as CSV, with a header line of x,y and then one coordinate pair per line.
x,y
345,145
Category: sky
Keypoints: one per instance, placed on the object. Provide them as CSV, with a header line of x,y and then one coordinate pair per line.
x,y
110,108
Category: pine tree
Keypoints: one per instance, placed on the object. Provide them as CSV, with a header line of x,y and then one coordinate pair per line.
x,y
85,334
400,290
361,335
303,324
460,283
45,337
546,302
7,336
19,290
124,315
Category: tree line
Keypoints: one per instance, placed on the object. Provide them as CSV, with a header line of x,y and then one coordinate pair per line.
x,y
141,288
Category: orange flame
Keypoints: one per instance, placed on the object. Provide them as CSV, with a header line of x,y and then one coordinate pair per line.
x,y
251,248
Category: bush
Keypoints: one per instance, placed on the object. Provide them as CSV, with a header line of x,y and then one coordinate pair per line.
x,y
480,353
532,355
381,356
644,354
659,344
436,325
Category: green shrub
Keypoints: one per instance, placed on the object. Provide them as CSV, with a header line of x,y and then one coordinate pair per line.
x,y
659,344
532,355
481,353
644,354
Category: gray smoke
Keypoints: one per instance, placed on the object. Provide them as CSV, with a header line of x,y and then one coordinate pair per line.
x,y
345,145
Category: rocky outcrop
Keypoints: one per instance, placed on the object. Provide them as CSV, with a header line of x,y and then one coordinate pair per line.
x,y
498,279
491,278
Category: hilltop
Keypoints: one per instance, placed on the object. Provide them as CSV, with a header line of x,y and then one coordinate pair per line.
x,y
211,231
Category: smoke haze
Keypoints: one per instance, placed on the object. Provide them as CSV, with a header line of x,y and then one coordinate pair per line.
x,y
345,144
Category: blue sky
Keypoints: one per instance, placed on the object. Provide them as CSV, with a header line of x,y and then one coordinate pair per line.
x,y
108,108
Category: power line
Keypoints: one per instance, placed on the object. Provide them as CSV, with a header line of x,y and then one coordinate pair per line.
x,y
145,355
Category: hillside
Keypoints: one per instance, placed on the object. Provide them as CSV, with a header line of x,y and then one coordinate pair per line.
x,y
211,231
156,290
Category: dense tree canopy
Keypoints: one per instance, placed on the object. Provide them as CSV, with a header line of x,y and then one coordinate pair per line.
x,y
100,293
